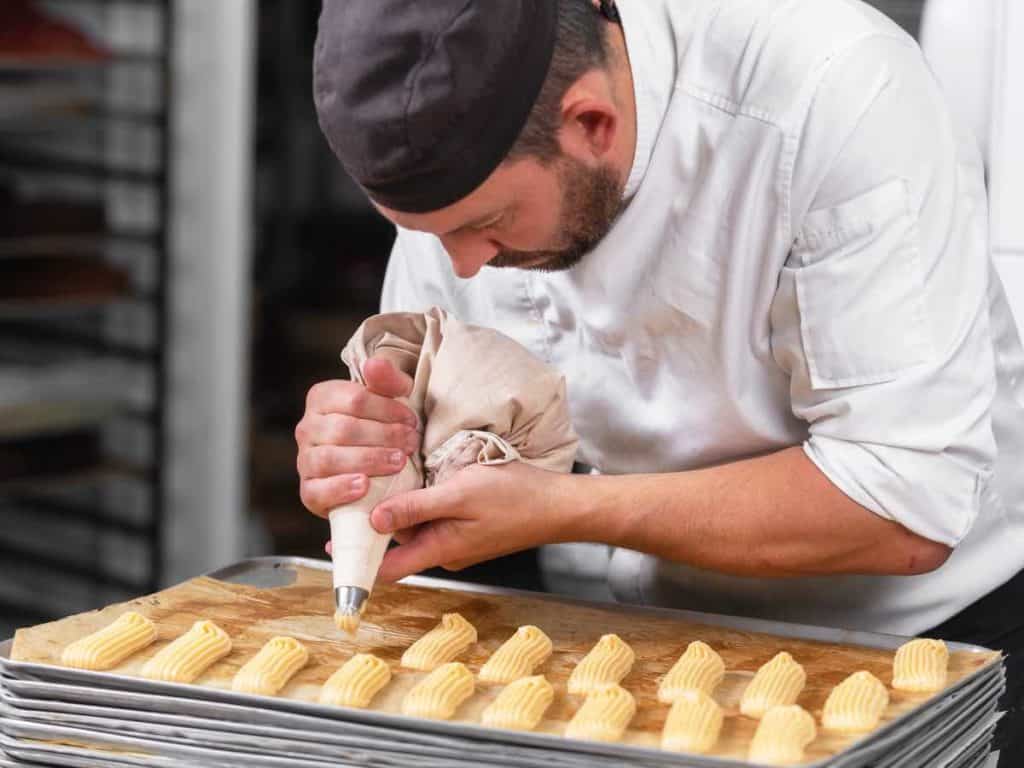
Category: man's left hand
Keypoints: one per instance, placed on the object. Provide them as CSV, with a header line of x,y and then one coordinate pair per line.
x,y
482,512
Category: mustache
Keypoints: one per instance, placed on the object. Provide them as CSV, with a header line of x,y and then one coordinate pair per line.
x,y
506,258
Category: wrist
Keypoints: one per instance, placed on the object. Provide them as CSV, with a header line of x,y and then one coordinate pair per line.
x,y
579,509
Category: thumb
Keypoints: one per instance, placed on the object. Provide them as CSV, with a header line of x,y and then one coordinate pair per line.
x,y
383,378
409,509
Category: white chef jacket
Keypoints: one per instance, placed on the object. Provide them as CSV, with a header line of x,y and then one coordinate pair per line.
x,y
803,259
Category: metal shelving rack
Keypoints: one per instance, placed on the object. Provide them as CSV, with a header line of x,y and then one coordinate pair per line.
x,y
114,501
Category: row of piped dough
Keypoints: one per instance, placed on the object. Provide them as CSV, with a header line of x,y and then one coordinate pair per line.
x,y
693,723
520,705
356,683
189,655
695,720
786,729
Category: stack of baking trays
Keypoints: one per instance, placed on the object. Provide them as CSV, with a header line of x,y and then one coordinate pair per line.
x,y
56,715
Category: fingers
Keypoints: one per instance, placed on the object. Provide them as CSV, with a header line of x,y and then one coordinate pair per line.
x,y
407,510
424,550
383,378
321,495
342,429
325,461
347,397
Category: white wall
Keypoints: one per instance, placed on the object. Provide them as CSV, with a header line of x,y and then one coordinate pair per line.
x,y
976,48
208,365
1006,138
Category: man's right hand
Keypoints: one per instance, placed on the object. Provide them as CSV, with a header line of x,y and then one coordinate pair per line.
x,y
350,433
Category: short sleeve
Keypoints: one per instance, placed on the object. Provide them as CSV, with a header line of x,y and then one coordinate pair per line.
x,y
881,311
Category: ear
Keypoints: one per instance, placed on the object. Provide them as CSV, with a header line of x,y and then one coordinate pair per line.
x,y
590,119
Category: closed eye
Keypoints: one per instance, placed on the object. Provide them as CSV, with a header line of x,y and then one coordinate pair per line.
x,y
491,222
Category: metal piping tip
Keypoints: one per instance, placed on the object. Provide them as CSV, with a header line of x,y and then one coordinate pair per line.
x,y
348,607
350,600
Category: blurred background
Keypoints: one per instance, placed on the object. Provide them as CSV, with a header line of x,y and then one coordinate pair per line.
x,y
181,257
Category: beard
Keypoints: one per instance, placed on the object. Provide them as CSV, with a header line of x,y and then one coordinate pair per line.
x,y
591,200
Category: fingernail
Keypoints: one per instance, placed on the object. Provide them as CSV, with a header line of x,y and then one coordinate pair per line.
x,y
385,520
396,457
413,422
358,483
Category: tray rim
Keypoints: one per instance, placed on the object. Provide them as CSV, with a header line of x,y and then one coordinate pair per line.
x,y
479,733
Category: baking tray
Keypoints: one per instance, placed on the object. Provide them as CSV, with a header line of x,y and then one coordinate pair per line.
x,y
278,571
274,572
956,751
50,745
54,698
15,755
269,753
157,718
161,753
958,722
962,725
375,749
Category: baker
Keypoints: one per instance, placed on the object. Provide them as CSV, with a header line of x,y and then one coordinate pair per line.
x,y
753,240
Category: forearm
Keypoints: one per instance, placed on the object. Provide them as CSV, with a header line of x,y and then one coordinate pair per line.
x,y
774,515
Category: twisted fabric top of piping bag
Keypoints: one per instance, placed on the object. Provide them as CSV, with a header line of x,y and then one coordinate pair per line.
x,y
471,379
480,396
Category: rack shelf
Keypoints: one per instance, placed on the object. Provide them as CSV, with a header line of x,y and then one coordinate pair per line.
x,y
94,514
88,573
28,160
87,464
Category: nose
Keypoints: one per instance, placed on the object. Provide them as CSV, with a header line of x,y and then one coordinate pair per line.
x,y
469,252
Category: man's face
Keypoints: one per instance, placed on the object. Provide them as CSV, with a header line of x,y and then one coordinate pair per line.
x,y
525,215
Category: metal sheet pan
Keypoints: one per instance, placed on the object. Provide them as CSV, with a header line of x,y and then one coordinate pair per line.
x,y
967,747
376,749
26,756
972,705
230,729
963,720
53,697
50,696
277,571
148,752
952,749
905,748
199,729
159,751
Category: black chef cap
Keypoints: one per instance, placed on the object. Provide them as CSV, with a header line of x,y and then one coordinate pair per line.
x,y
422,99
